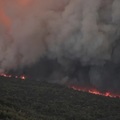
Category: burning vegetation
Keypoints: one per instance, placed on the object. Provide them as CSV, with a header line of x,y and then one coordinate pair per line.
x,y
63,41
22,77
69,42
35,100
94,91
74,87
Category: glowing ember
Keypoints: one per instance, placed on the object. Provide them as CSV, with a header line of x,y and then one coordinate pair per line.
x,y
22,77
94,91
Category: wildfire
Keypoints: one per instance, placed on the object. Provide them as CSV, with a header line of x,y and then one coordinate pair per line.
x,y
94,91
22,77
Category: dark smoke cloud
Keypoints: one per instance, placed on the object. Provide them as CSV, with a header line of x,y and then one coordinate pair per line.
x,y
63,41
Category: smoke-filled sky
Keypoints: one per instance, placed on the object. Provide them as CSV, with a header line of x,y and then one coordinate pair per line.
x,y
81,36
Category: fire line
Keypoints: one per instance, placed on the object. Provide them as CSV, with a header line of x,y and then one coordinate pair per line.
x,y
22,77
94,91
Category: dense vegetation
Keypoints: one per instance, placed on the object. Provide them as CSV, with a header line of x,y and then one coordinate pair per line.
x,y
34,100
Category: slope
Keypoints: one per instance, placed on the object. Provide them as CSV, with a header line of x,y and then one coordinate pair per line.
x,y
35,100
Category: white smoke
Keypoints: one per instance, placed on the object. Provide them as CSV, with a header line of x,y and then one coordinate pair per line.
x,y
63,29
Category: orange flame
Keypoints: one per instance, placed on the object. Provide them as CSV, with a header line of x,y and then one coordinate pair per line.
x,y
94,91
22,77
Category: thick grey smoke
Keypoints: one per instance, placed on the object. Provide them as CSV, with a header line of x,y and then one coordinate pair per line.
x,y
78,40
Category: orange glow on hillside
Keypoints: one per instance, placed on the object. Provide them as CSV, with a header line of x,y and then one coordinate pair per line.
x,y
22,77
94,91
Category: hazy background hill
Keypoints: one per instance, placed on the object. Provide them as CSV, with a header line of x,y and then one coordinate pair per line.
x,y
34,100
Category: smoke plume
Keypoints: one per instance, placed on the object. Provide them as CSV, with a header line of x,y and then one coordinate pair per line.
x,y
66,41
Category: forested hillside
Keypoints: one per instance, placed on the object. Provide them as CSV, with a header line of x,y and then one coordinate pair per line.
x,y
34,100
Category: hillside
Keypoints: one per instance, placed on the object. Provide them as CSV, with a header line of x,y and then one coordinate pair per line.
x,y
34,100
